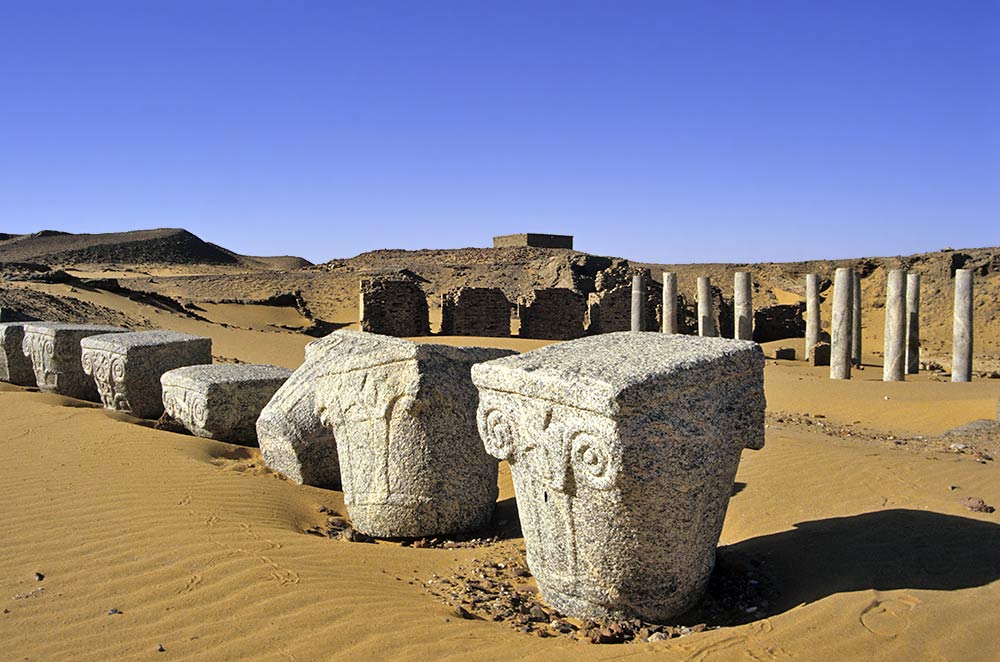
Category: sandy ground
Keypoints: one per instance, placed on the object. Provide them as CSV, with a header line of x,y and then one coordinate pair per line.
x,y
203,550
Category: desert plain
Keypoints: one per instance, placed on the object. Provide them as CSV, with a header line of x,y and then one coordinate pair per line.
x,y
847,535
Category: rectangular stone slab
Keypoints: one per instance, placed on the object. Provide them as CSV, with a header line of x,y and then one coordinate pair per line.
x,y
404,416
623,449
126,367
54,349
15,367
221,401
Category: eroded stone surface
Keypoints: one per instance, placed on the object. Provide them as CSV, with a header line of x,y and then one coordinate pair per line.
x,y
126,367
404,416
15,367
221,401
293,440
623,450
54,350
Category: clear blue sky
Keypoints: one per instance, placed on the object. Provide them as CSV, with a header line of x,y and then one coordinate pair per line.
x,y
709,130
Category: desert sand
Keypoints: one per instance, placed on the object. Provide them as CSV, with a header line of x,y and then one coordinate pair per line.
x,y
146,538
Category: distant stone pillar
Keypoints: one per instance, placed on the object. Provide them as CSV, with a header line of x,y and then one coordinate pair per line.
x,y
638,302
743,306
812,312
669,302
961,349
894,363
912,324
706,317
840,326
856,319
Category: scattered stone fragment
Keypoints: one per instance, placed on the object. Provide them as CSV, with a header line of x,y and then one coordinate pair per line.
x,y
221,401
975,504
161,649
785,353
39,576
114,612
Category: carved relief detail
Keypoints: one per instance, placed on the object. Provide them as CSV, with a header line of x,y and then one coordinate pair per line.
x,y
108,371
186,405
41,350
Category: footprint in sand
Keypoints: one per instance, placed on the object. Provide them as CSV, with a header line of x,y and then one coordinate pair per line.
x,y
888,618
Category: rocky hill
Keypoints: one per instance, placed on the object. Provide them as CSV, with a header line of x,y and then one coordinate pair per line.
x,y
163,246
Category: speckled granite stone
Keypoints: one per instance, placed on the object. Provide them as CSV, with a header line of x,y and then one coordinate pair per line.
x,y
15,367
221,401
54,349
623,448
126,367
404,415
293,441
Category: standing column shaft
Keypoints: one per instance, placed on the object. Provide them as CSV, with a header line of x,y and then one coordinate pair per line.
x,y
638,302
840,326
706,318
894,365
961,349
812,312
912,324
669,302
856,319
743,306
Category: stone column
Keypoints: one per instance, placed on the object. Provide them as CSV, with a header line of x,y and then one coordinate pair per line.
x,y
638,303
912,324
840,327
856,319
961,348
743,306
812,312
669,302
894,358
706,317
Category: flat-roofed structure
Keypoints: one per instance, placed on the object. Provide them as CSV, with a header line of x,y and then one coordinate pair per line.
x,y
534,240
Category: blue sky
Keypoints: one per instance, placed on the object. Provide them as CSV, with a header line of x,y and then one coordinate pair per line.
x,y
660,131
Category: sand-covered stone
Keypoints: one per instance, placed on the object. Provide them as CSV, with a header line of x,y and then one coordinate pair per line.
x,y
54,350
293,440
15,367
404,416
221,401
623,450
126,367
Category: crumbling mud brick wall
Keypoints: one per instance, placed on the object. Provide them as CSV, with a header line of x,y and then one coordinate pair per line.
x,y
393,308
553,314
475,311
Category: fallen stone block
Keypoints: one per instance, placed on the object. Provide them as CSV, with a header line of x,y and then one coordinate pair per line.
x,y
404,416
293,440
819,355
126,367
54,349
623,448
785,353
221,401
15,367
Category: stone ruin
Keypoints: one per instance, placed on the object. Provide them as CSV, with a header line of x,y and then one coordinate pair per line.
x,y
293,441
623,448
393,307
54,349
553,313
126,367
404,416
610,310
779,322
221,401
475,311
819,354
15,366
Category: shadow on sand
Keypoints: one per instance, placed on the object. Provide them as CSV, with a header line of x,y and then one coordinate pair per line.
x,y
891,549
